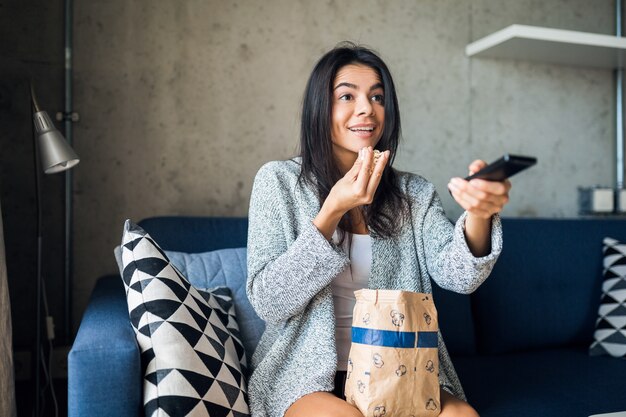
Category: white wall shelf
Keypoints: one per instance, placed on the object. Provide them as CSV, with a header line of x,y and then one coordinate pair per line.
x,y
557,46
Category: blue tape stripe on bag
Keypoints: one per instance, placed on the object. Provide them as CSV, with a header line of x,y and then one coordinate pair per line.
x,y
427,340
390,338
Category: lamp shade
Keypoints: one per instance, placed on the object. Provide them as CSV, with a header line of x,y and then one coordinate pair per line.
x,y
55,153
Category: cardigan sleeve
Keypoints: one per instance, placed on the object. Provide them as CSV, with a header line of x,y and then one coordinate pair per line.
x,y
289,260
449,260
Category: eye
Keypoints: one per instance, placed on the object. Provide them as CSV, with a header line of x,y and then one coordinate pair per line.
x,y
345,97
378,98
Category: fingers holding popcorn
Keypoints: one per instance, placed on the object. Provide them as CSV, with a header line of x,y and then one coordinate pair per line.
x,y
356,188
377,155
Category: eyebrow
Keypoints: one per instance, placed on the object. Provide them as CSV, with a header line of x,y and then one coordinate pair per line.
x,y
354,87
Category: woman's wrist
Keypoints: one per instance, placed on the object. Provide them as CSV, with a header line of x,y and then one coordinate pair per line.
x,y
327,220
478,234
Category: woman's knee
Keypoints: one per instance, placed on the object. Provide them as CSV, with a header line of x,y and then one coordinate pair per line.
x,y
459,411
322,404
455,407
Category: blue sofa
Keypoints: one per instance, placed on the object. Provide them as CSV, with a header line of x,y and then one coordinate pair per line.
x,y
519,343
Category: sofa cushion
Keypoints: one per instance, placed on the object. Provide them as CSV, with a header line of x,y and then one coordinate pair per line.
x,y
610,334
543,291
548,383
197,234
226,267
455,321
189,339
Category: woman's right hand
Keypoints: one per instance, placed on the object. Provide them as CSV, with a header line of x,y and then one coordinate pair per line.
x,y
354,189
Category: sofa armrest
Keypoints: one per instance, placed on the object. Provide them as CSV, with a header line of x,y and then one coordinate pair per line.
x,y
104,368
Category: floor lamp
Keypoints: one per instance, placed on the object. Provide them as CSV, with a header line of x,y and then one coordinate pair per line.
x,y
54,155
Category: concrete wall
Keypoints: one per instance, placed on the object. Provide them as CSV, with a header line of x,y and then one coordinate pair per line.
x,y
182,102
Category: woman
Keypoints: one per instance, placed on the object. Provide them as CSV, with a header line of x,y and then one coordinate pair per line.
x,y
333,220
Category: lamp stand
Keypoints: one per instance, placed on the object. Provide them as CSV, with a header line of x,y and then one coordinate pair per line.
x,y
54,155
38,277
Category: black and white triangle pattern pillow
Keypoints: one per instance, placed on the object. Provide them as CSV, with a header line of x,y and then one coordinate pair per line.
x,y
190,345
610,334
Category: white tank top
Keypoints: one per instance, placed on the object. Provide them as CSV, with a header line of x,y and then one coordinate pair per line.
x,y
354,277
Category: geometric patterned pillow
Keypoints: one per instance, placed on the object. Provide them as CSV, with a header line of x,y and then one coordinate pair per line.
x,y
610,334
190,345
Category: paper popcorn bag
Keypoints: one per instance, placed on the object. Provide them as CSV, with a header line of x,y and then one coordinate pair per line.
x,y
393,365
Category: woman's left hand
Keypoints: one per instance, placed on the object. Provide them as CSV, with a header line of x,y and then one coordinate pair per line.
x,y
480,198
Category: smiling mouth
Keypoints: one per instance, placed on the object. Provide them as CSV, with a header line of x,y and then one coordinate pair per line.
x,y
361,129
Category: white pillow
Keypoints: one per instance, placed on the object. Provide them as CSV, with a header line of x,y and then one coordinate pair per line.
x,y
187,338
610,334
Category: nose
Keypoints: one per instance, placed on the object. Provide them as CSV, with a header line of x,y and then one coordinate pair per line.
x,y
364,106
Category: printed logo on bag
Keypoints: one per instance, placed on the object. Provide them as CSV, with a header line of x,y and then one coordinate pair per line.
x,y
380,411
361,386
397,318
378,360
431,404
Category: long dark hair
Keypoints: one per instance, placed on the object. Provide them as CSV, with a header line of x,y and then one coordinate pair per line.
x,y
319,168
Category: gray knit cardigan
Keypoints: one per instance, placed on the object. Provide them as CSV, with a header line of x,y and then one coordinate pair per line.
x,y
291,264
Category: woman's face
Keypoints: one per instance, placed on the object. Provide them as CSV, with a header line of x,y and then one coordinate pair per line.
x,y
358,111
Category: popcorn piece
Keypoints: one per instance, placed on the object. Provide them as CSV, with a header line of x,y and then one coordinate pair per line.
x,y
377,155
